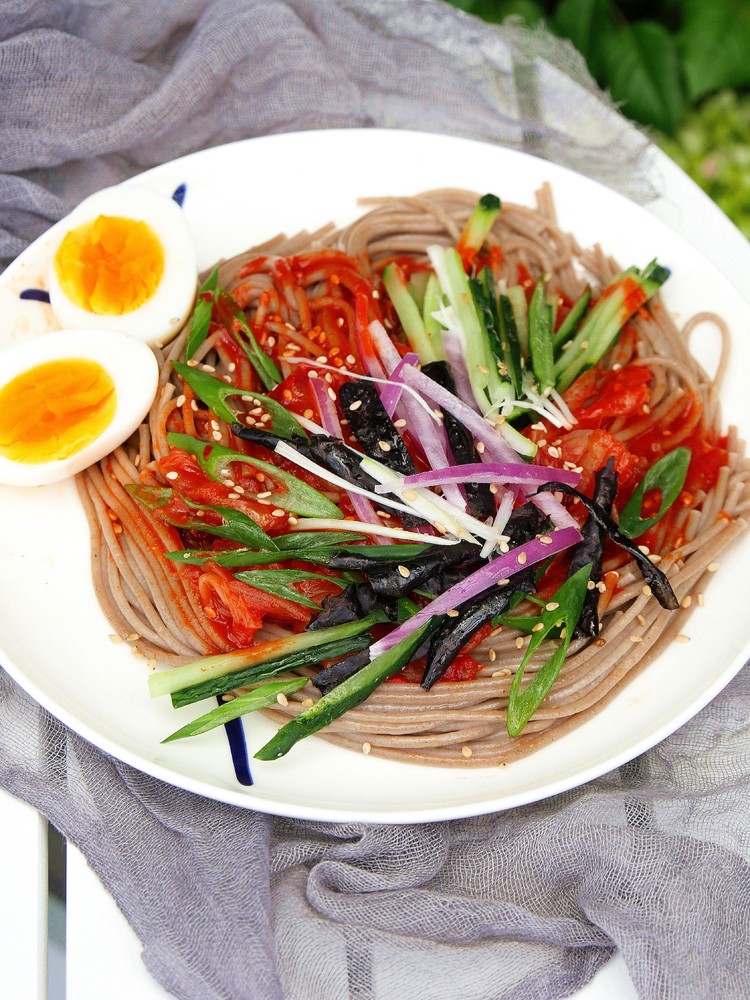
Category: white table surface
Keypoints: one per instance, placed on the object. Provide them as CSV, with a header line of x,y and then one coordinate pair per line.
x,y
102,952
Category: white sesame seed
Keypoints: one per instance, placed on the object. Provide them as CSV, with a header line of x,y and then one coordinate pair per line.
x,y
538,627
355,405
278,512
282,699
712,567
404,571
384,446
453,613
682,638
521,558
466,751
366,748
172,474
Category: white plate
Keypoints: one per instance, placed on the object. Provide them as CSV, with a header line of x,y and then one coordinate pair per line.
x,y
54,639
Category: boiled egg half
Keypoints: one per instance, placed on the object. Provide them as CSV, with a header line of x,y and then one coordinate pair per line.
x,y
69,398
124,261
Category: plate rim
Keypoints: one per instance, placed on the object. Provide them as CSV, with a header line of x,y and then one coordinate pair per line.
x,y
278,807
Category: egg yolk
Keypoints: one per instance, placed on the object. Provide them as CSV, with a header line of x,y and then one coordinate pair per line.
x,y
55,409
110,266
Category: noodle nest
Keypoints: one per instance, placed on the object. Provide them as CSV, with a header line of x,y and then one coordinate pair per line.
x,y
157,606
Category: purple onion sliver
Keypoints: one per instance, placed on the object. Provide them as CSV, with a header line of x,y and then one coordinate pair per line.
x,y
551,506
504,567
434,443
389,356
496,448
329,418
493,472
391,393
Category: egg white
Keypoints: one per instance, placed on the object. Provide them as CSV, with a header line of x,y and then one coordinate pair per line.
x,y
133,368
162,316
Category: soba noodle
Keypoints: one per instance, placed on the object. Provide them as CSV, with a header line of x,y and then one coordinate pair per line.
x,y
158,607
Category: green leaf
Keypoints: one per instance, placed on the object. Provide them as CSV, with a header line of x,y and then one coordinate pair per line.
x,y
320,540
668,476
587,24
214,392
202,314
236,526
279,583
152,497
251,556
297,496
496,11
523,702
265,367
262,697
398,552
642,73
715,44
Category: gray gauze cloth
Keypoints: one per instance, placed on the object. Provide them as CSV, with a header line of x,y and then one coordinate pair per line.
x,y
652,858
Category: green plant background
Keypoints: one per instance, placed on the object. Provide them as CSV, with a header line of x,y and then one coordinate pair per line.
x,y
680,68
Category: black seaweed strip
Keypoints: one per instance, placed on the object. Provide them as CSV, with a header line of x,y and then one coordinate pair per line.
x,y
591,550
653,576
